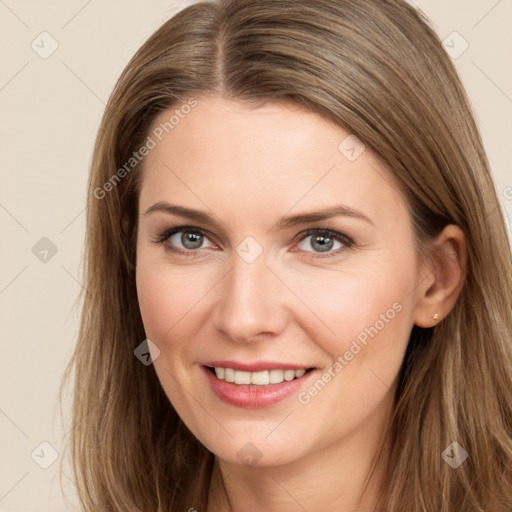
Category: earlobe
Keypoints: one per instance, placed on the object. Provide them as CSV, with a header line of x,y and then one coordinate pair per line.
x,y
437,297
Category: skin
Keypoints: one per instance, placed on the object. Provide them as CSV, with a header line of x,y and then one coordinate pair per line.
x,y
248,168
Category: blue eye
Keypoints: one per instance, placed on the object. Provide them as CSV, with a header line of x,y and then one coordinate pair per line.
x,y
190,239
324,241
186,240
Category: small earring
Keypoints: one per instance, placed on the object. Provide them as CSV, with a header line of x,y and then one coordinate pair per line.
x,y
436,316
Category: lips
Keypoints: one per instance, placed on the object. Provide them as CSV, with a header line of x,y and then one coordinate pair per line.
x,y
255,385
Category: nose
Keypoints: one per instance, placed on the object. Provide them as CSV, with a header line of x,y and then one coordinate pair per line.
x,y
249,303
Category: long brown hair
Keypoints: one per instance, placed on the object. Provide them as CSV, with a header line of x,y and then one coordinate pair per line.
x,y
377,69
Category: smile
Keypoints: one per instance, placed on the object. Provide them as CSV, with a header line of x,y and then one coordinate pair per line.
x,y
258,388
262,378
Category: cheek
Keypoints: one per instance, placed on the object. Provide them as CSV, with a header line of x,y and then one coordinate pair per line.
x,y
165,297
364,316
371,318
155,302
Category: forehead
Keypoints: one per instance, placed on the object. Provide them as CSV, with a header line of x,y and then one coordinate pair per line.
x,y
231,157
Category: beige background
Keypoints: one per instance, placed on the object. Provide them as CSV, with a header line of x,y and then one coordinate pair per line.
x,y
50,110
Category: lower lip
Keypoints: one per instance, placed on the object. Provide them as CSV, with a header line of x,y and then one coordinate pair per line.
x,y
253,396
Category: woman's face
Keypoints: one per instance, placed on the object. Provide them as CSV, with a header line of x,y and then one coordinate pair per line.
x,y
292,250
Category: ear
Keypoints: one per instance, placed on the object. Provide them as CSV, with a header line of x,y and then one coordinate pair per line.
x,y
130,238
125,222
442,279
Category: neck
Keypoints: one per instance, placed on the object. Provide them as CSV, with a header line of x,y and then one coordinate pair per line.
x,y
341,477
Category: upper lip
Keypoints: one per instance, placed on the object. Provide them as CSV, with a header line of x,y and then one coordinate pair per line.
x,y
257,366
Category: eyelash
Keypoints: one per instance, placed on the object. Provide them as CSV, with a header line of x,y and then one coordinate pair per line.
x,y
339,237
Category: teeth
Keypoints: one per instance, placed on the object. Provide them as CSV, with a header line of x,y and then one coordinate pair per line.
x,y
263,378
242,377
260,378
229,374
289,374
276,376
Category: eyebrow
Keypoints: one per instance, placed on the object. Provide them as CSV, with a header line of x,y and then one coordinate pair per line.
x,y
282,224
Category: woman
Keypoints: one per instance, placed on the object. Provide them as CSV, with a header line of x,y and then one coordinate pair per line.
x,y
292,216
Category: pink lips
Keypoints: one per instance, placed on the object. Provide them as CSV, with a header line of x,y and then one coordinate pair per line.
x,y
251,396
